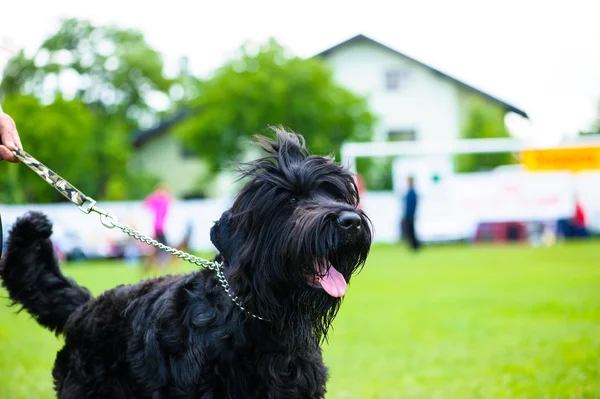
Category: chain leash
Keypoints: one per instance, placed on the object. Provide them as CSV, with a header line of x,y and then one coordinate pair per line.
x,y
109,220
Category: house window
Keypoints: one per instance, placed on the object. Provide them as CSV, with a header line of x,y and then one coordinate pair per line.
x,y
402,135
396,79
186,153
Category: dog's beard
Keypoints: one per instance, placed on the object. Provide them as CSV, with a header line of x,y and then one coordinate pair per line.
x,y
315,262
294,269
324,291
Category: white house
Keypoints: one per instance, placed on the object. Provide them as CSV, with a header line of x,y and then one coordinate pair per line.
x,y
413,101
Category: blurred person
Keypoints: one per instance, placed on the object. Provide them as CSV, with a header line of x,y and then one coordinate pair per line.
x,y
159,203
408,219
575,226
579,220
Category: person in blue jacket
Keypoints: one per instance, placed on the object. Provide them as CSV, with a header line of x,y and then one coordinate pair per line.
x,y
411,200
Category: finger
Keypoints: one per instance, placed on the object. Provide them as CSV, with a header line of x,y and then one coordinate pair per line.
x,y
8,132
7,154
17,140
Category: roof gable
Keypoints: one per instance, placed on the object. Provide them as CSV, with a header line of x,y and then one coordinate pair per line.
x,y
141,137
363,38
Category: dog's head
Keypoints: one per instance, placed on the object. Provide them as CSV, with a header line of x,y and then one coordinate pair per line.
x,y
294,235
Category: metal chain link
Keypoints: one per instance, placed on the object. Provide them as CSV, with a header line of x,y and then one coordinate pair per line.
x,y
179,254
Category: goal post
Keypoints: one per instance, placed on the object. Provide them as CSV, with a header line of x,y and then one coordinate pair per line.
x,y
351,151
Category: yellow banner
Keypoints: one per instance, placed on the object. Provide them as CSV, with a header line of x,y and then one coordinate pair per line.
x,y
573,159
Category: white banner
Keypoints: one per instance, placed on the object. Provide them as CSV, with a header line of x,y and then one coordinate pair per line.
x,y
72,227
453,207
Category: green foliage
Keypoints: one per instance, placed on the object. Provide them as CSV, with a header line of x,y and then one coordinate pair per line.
x,y
87,88
484,121
113,70
60,133
452,323
376,172
595,129
272,88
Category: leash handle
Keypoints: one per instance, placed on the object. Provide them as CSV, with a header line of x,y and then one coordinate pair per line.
x,y
85,203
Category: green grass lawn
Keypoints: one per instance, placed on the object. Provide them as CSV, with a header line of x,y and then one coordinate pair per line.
x,y
452,322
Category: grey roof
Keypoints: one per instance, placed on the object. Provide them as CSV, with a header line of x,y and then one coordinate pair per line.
x,y
140,137
363,38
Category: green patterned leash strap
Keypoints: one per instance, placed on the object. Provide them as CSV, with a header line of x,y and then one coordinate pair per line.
x,y
86,204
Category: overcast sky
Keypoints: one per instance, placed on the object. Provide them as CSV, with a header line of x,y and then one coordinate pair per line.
x,y
541,56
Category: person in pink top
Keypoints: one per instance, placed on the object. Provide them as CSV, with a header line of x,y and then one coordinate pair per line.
x,y
159,202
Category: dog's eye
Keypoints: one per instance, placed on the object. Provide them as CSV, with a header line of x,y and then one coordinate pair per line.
x,y
293,200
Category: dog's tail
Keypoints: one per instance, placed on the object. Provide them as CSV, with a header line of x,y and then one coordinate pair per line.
x,y
30,272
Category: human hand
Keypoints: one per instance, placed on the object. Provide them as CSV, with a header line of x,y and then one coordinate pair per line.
x,y
9,138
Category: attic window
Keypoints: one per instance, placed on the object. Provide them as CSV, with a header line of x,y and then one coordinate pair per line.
x,y
186,153
402,135
396,79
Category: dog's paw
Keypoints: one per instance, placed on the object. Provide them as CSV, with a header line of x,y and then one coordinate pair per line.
x,y
31,227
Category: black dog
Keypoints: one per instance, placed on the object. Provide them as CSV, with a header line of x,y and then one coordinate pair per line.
x,y
289,244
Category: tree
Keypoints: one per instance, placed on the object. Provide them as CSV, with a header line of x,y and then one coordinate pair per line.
x,y
271,88
103,72
113,70
484,121
377,171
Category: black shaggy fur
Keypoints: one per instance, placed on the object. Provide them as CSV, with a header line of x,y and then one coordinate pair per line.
x,y
182,336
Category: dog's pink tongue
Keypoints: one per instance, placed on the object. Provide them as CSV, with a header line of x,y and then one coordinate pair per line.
x,y
334,283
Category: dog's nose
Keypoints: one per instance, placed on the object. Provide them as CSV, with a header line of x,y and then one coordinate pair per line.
x,y
349,221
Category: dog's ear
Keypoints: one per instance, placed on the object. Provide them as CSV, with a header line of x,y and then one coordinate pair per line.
x,y
220,234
